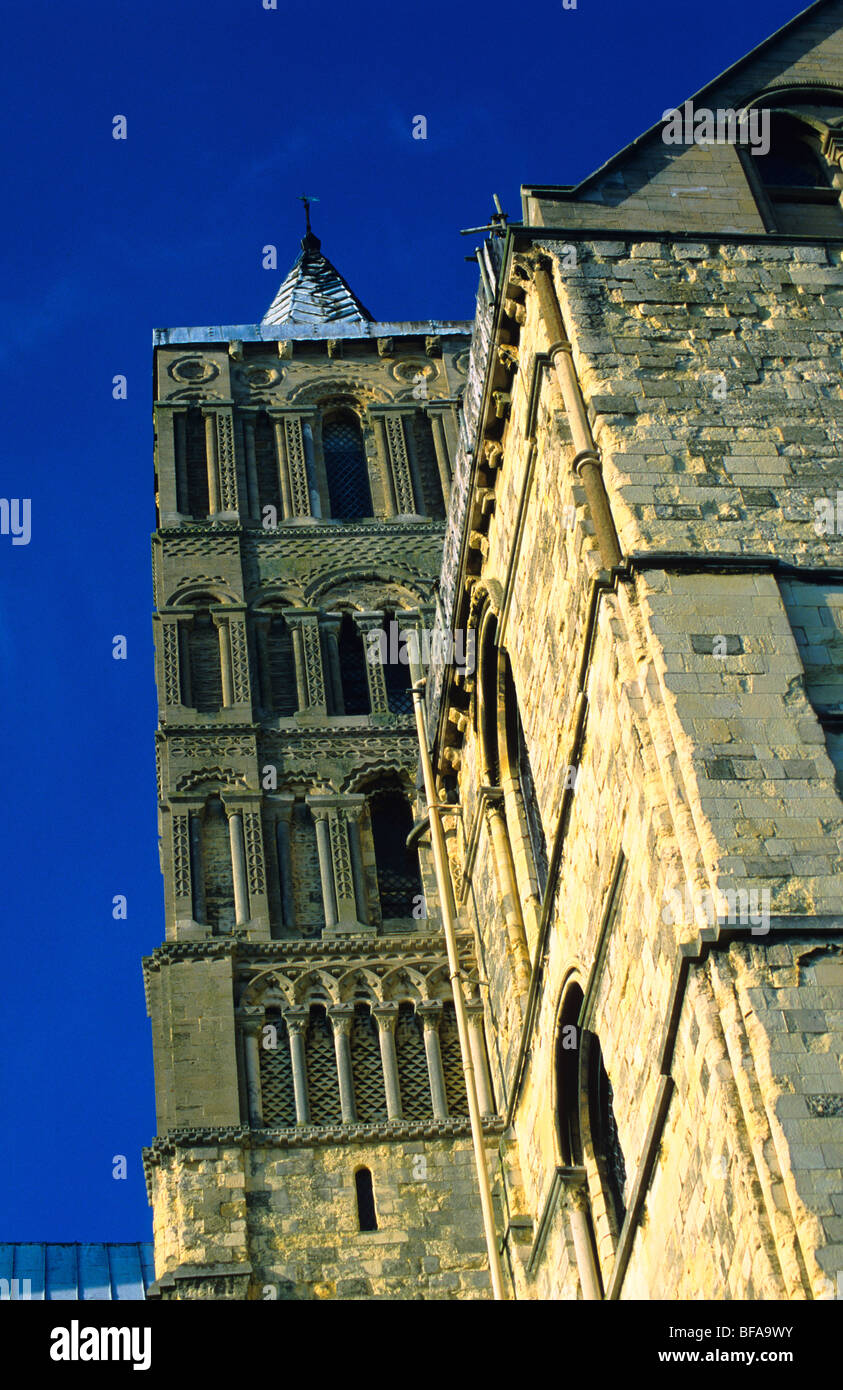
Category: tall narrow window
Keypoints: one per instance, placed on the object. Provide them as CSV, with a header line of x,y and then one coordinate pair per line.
x,y
205,664
519,758
366,1218
345,467
797,180
399,694
216,867
568,1077
266,464
488,712
282,670
397,867
355,687
196,465
433,503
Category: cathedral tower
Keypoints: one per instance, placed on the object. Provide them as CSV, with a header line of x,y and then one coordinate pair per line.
x,y
312,1133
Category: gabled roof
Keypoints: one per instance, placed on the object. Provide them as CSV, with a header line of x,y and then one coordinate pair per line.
x,y
314,292
574,191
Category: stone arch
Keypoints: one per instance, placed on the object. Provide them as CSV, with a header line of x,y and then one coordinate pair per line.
x,y
201,592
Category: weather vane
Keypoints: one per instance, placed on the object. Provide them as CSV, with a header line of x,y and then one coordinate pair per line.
x,y
307,199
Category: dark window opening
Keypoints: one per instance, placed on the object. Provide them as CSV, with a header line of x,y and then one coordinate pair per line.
x,y
568,1047
489,703
366,1218
399,882
283,696
196,465
205,664
355,686
266,464
797,180
346,468
397,678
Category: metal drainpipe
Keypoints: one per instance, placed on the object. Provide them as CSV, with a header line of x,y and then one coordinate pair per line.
x,y
586,458
443,883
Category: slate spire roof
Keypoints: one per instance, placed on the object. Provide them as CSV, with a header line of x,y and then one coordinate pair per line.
x,y
314,292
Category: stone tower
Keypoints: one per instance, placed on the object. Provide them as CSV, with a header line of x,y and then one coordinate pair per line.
x,y
312,1132
648,761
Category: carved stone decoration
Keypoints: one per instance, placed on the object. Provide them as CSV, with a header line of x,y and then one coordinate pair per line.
x,y
399,463
212,776
239,659
172,680
227,745
314,675
297,465
226,460
254,852
340,856
181,856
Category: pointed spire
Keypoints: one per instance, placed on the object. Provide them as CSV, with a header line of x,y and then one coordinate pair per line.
x,y
314,292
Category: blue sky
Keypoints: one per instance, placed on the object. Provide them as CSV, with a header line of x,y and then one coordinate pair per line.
x,y
232,111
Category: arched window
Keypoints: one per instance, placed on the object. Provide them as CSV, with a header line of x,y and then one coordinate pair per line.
x,y
266,464
355,686
204,664
276,1073
196,465
281,676
367,1069
305,890
216,868
345,466
796,180
322,1082
604,1131
397,867
568,1077
366,1217
397,678
519,762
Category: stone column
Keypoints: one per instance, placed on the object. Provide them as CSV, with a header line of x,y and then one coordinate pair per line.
x,y
213,466
478,1057
234,654
386,469
251,1021
238,866
508,889
387,1017
330,625
326,872
581,1236
440,444
281,464
431,1013
353,810
307,651
365,623
297,1019
221,623
282,806
254,510
331,813
341,1016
